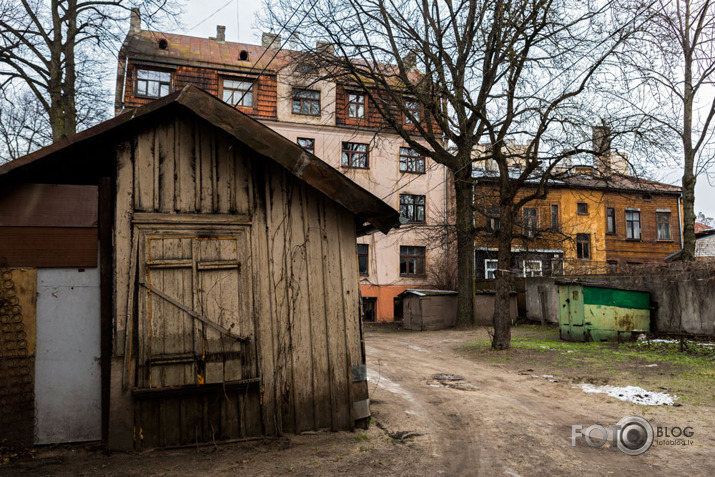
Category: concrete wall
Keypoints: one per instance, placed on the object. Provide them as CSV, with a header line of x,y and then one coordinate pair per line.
x,y
542,301
485,302
684,298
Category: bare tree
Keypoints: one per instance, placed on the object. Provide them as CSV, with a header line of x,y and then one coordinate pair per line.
x,y
673,59
456,74
55,49
23,126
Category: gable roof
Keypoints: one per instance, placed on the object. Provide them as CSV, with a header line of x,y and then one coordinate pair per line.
x,y
263,140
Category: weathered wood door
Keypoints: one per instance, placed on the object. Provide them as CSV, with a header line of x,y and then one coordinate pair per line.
x,y
195,310
197,375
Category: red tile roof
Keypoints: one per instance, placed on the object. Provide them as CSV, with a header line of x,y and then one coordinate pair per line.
x,y
699,227
203,51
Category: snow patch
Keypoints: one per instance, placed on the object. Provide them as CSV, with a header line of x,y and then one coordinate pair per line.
x,y
417,348
632,394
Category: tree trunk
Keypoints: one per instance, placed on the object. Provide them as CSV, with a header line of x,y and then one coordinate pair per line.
x,y
70,78
502,320
688,253
62,75
464,193
54,84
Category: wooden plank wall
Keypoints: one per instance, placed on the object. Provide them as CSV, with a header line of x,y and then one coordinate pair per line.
x,y
303,260
312,339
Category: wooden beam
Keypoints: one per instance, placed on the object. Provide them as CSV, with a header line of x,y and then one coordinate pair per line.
x,y
190,219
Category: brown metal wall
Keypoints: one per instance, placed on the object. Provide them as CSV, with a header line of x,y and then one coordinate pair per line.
x,y
48,225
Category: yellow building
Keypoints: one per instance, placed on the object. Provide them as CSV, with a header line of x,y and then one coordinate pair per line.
x,y
588,223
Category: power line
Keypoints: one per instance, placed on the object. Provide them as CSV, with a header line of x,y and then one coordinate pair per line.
x,y
208,17
280,47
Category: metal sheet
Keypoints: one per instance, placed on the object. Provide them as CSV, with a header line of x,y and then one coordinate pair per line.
x,y
67,368
361,409
359,372
49,205
48,247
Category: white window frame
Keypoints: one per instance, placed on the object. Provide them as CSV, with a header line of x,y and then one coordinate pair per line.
x,y
540,270
487,270
634,229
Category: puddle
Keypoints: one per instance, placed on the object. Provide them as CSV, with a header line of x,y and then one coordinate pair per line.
x,y
453,381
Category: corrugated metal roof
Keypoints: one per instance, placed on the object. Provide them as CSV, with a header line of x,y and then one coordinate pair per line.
x,y
427,292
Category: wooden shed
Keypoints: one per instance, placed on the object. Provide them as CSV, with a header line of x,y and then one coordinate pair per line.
x,y
205,268
428,309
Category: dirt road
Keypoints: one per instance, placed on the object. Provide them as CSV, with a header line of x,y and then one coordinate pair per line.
x,y
477,419
499,422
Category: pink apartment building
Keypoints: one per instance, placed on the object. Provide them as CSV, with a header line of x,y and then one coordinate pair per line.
x,y
330,120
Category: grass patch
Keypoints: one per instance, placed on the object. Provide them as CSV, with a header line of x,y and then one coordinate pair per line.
x,y
662,367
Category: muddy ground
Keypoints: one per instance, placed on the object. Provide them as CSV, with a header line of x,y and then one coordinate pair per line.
x,y
437,410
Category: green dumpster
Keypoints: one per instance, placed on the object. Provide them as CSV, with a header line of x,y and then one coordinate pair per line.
x,y
591,313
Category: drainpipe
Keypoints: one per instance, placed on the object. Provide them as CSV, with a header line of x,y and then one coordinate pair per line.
x,y
680,221
446,222
124,82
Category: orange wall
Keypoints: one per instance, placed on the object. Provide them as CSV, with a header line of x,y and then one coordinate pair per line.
x,y
385,294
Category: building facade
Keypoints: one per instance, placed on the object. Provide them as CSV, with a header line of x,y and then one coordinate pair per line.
x,y
328,119
587,223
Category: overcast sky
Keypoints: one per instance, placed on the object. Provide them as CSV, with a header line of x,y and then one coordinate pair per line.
x,y
239,17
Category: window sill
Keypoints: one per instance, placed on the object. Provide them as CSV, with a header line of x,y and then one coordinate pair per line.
x,y
353,167
307,115
141,96
634,240
364,274
665,240
405,275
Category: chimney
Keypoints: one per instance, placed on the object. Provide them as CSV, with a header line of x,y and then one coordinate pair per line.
x,y
220,34
601,137
293,41
410,60
325,48
271,41
135,21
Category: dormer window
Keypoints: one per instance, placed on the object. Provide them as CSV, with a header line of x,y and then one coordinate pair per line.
x,y
153,84
306,102
412,108
356,105
238,92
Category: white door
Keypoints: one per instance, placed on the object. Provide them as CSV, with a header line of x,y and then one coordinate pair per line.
x,y
67,366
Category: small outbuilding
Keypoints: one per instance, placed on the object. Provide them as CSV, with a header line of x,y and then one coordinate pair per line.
x,y
428,309
180,274
594,313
